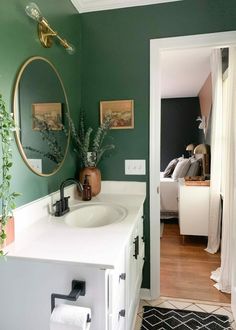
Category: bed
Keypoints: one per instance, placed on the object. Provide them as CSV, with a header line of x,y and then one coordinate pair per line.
x,y
176,169
168,197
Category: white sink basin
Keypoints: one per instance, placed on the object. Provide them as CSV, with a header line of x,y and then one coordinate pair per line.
x,y
95,215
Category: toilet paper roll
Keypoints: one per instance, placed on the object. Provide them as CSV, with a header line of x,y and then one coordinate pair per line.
x,y
69,317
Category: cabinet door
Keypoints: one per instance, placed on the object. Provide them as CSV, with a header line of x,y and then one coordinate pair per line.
x,y
134,265
193,210
117,280
141,245
132,270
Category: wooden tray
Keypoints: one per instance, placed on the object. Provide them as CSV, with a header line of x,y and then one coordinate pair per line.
x,y
198,183
194,178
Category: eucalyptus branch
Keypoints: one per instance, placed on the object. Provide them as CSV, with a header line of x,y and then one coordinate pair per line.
x,y
75,136
85,147
56,152
90,148
53,158
104,149
101,133
82,129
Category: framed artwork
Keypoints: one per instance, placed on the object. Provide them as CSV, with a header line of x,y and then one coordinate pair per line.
x,y
47,114
121,112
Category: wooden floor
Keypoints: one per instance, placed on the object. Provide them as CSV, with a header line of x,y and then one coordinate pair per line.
x,y
186,268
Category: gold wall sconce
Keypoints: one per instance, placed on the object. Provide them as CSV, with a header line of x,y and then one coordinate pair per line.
x,y
45,32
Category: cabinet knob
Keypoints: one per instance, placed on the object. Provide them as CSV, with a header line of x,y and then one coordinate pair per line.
x,y
122,313
122,276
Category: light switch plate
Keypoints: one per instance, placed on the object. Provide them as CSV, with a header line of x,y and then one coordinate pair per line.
x,y
135,166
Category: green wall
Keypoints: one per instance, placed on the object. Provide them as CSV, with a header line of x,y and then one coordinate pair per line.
x,y
114,65
115,56
19,41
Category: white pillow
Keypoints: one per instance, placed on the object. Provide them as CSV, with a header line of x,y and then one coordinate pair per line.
x,y
181,168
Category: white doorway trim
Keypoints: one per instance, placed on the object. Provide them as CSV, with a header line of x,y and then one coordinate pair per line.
x,y
214,40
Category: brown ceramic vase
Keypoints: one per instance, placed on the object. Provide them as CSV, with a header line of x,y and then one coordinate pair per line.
x,y
94,178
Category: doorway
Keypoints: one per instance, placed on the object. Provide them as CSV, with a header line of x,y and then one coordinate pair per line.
x,y
157,46
186,96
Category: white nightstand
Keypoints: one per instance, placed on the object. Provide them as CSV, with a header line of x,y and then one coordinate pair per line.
x,y
193,209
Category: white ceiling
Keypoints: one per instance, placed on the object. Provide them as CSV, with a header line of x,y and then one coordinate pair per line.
x,y
84,6
184,72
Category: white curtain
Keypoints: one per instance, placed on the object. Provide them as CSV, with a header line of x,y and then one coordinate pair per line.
x,y
223,275
216,147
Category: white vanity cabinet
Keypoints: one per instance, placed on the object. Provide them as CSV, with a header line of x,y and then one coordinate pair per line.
x,y
112,292
126,279
193,209
48,254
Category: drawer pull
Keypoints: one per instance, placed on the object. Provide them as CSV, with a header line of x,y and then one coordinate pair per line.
x,y
136,247
122,313
122,276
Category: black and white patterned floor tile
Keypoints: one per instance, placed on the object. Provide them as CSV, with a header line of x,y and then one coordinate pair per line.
x,y
156,318
187,305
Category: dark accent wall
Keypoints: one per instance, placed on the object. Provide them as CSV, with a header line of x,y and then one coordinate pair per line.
x,y
19,41
178,127
115,49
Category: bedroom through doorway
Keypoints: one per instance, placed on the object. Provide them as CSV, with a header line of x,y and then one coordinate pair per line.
x,y
186,95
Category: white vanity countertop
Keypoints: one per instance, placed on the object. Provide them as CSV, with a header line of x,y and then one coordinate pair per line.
x,y
50,239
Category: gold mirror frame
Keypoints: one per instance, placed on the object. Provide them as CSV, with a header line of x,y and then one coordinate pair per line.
x,y
16,115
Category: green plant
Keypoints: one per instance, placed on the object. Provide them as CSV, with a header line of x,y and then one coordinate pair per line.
x,y
7,126
90,148
56,151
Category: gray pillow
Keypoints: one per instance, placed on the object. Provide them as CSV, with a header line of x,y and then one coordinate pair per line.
x,y
181,169
194,168
170,168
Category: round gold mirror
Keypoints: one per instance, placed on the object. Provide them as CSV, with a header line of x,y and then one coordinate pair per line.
x,y
41,115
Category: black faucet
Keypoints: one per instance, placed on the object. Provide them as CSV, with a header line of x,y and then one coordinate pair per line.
x,y
62,205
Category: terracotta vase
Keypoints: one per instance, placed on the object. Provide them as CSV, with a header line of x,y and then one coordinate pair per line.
x,y
10,231
94,178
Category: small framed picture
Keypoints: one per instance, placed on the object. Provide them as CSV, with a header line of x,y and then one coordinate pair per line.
x,y
47,115
121,112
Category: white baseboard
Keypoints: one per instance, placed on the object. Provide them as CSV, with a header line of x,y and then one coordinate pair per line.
x,y
145,294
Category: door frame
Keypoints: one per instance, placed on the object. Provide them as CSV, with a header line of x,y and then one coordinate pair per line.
x,y
157,46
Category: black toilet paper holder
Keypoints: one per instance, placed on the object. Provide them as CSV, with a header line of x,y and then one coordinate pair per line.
x,y
78,288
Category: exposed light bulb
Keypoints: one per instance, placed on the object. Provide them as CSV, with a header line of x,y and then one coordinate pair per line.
x,y
46,33
70,49
33,11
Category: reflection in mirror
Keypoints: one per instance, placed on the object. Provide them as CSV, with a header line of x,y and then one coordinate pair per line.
x,y
41,116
